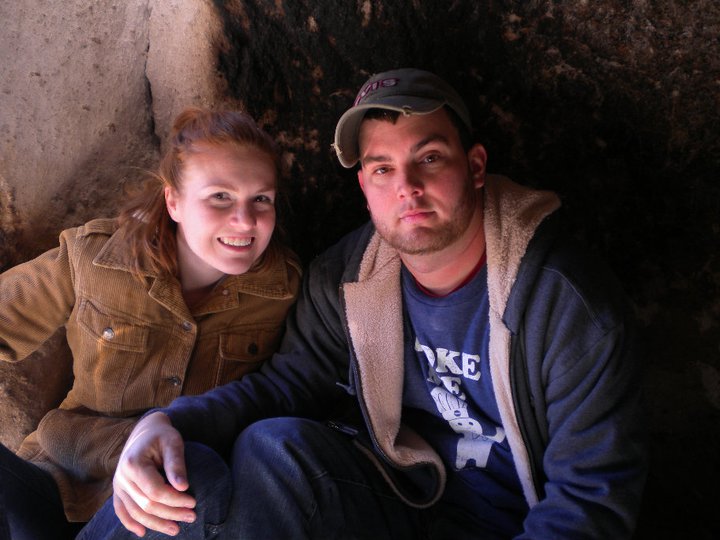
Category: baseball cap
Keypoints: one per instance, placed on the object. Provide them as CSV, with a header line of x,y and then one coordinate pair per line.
x,y
407,90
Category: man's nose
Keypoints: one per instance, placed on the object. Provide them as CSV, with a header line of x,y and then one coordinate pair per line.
x,y
409,183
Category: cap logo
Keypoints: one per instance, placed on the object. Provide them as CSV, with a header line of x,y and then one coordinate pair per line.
x,y
373,86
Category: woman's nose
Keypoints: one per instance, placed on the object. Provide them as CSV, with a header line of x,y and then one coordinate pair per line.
x,y
243,216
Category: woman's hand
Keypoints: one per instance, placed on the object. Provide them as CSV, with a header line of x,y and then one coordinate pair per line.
x,y
141,496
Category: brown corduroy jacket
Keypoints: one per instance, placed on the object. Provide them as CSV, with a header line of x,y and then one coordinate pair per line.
x,y
135,346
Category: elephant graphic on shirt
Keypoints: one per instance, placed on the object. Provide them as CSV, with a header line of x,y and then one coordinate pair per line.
x,y
473,446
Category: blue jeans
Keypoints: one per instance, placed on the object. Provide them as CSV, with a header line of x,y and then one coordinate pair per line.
x,y
209,478
296,478
299,479
30,504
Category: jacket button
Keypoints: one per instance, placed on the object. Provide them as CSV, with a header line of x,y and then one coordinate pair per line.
x,y
175,381
108,333
187,326
253,348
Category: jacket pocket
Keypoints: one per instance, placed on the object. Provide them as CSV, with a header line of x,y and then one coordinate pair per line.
x,y
244,350
111,344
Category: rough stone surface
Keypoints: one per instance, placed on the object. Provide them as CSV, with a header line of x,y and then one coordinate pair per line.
x,y
75,116
612,104
182,60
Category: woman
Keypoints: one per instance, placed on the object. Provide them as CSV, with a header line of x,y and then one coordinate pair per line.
x,y
186,290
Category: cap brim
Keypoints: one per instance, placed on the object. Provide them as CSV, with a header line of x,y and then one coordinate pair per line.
x,y
348,127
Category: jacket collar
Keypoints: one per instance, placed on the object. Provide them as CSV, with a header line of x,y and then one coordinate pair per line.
x,y
271,281
512,214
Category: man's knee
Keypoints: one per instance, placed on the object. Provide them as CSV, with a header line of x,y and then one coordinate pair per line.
x,y
208,473
271,437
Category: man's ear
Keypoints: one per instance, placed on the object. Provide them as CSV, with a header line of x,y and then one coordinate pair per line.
x,y
361,180
171,202
477,158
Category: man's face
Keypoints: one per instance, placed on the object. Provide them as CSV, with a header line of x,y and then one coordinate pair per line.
x,y
420,184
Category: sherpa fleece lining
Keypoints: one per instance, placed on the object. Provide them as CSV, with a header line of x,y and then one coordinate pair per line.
x,y
512,214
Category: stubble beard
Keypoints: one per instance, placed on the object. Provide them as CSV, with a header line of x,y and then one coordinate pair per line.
x,y
426,240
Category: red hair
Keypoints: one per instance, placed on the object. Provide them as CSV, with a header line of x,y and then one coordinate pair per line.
x,y
149,231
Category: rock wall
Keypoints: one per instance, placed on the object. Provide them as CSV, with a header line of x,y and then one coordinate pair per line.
x,y
612,104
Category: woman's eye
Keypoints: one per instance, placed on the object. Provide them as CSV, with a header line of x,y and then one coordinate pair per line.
x,y
220,198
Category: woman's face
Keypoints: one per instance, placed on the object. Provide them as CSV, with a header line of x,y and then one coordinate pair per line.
x,y
225,212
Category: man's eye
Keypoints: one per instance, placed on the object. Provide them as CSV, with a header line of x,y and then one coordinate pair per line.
x,y
263,199
380,170
431,158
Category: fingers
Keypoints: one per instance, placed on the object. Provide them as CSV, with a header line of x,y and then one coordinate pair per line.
x,y
124,516
151,503
173,458
145,482
150,491
142,499
136,520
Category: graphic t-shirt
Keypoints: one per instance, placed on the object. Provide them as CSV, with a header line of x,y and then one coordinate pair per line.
x,y
448,398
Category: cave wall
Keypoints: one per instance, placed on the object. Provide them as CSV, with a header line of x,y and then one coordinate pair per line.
x,y
612,104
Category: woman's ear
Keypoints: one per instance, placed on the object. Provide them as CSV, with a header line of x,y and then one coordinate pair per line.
x,y
477,158
171,202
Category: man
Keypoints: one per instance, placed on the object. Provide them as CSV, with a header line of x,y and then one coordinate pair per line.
x,y
475,367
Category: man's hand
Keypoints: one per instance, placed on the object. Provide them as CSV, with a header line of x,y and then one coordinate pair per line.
x,y
141,497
